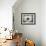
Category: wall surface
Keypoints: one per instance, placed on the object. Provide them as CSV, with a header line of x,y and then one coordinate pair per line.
x,y
43,22
30,31
6,13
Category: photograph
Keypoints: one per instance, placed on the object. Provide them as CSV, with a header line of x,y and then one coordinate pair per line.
x,y
22,22
28,18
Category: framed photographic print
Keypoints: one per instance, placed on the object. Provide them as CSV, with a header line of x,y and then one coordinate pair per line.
x,y
28,18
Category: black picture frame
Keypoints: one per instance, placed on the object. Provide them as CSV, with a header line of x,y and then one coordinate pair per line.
x,y
28,18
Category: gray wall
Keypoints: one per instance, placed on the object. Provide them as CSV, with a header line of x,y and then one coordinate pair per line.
x,y
32,32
